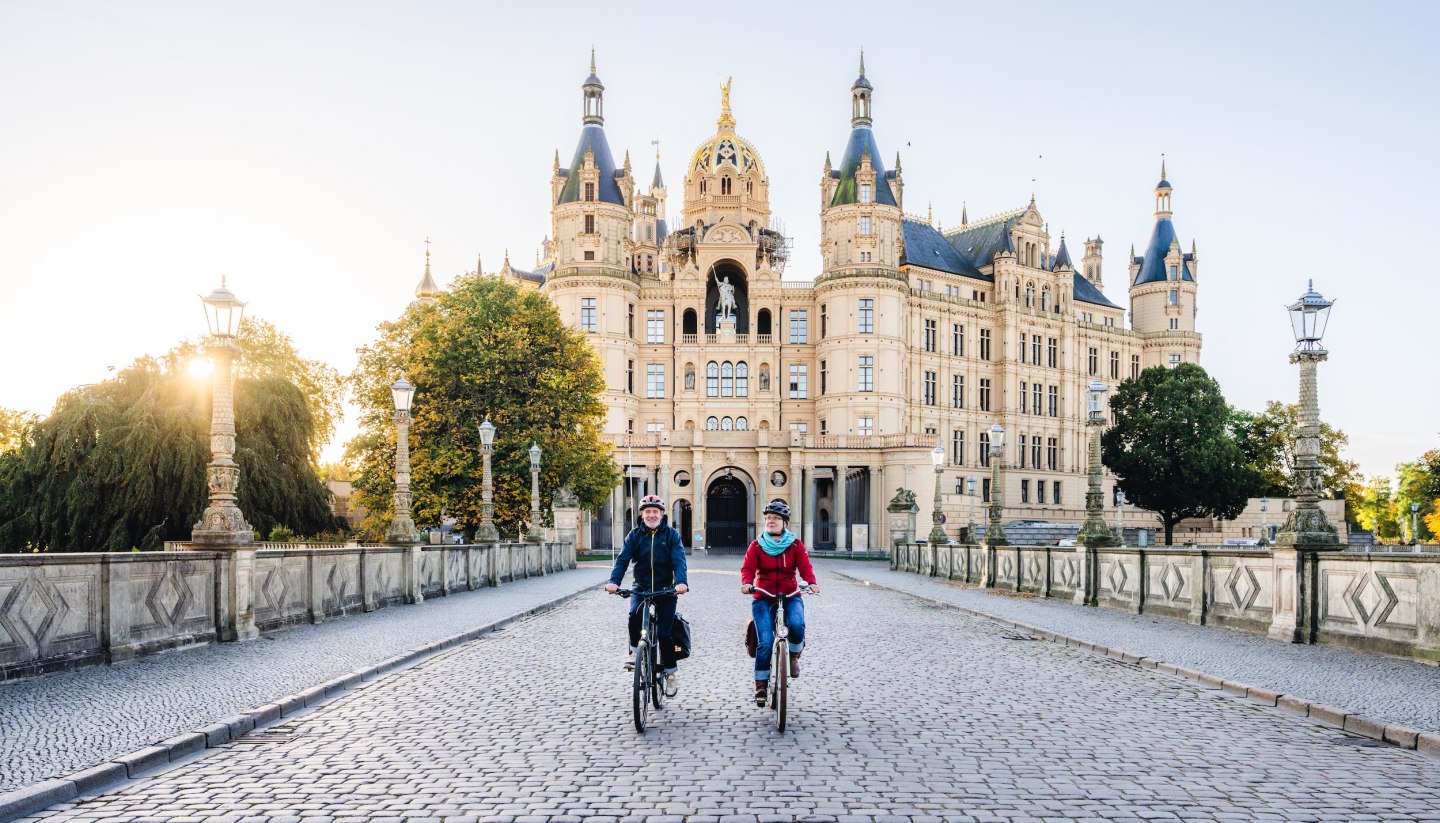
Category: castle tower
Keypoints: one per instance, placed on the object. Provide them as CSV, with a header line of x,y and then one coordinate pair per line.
x,y
650,227
592,282
1092,262
1163,290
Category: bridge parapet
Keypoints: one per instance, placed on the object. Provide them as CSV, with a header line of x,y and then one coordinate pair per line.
x,y
1386,602
64,611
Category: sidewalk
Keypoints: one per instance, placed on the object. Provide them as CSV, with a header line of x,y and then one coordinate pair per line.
x,y
1392,690
60,723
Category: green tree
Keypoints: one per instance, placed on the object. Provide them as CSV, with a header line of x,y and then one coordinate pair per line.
x,y
1268,441
12,429
121,464
1376,510
1415,489
486,349
1173,447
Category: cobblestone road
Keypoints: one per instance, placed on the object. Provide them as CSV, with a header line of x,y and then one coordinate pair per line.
x,y
905,712
63,722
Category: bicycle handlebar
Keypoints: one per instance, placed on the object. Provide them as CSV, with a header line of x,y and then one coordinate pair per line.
x,y
656,593
805,589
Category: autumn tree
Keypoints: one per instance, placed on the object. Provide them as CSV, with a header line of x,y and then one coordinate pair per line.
x,y
1376,510
1172,447
486,349
12,428
1268,441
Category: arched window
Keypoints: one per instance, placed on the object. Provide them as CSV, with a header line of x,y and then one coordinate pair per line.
x,y
727,379
712,379
688,323
742,379
726,424
724,185
741,425
762,322
712,423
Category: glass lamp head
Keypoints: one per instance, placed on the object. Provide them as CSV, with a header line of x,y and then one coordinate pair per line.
x,y
223,312
970,485
1264,504
403,392
534,455
937,456
1308,317
997,438
1095,398
487,432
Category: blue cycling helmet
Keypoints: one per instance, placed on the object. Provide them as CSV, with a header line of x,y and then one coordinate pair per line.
x,y
779,509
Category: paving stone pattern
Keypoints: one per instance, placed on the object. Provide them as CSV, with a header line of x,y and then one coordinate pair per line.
x,y
904,712
67,721
1394,690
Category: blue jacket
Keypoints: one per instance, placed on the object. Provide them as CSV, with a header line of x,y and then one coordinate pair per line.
x,y
658,555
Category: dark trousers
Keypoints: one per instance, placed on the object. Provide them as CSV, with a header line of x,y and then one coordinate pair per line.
x,y
664,620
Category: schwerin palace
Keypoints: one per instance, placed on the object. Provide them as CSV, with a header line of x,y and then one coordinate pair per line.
x,y
832,394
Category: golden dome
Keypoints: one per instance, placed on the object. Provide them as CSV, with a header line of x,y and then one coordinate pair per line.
x,y
724,148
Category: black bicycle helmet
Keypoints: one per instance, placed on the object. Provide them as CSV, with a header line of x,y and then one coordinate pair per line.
x,y
652,501
779,509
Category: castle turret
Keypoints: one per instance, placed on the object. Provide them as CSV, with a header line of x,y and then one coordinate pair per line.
x,y
1163,289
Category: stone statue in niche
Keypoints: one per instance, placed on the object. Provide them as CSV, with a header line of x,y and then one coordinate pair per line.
x,y
689,377
727,296
764,378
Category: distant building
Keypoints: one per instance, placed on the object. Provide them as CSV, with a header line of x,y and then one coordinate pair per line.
x,y
832,393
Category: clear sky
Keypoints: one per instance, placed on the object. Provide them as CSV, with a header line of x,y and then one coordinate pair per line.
x,y
307,149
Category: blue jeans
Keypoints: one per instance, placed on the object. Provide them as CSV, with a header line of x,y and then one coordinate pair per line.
x,y
763,612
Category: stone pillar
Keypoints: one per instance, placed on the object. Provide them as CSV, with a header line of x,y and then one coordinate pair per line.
x,y
1095,533
842,531
812,505
1293,615
763,489
902,510
1087,588
237,597
414,574
565,508
698,512
1307,526
222,525
796,488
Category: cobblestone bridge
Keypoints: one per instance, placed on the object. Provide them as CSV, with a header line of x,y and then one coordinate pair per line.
x,y
907,710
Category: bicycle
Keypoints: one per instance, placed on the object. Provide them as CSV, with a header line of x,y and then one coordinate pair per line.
x,y
778,690
649,681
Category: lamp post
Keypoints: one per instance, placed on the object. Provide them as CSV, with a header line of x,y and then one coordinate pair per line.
x,y
402,528
222,523
1414,524
1094,534
970,493
937,531
994,533
486,532
533,534
1264,529
1120,501
1307,525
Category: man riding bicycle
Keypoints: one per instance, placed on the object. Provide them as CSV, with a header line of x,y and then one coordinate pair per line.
x,y
771,563
654,547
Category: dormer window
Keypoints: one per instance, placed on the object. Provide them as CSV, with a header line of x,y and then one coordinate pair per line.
x,y
866,193
589,192
1174,272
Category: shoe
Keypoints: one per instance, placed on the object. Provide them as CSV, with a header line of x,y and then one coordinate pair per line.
x,y
629,664
672,684
794,664
761,687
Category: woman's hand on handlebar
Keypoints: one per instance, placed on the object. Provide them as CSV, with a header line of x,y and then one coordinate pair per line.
x,y
811,588
746,588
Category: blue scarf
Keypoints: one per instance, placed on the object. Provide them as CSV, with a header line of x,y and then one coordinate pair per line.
x,y
776,546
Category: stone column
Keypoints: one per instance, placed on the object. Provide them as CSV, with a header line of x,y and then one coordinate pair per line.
x,y
1307,525
222,524
763,489
698,512
237,593
812,504
1094,533
796,489
842,532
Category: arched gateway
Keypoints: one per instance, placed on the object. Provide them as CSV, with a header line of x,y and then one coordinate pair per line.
x,y
728,528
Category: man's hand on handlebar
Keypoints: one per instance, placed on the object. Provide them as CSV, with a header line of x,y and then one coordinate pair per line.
x,y
611,588
681,588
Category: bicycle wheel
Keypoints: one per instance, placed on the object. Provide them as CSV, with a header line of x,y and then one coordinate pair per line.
x,y
643,678
780,676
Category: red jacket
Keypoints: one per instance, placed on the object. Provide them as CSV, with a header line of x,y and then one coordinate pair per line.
x,y
776,574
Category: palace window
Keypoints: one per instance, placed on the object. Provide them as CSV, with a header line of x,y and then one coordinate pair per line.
x,y
712,379
1020,353
1035,451
957,448
985,458
1023,386
1174,360
865,226
630,320
985,394
589,224
712,423
655,380
1020,459
1092,362
1134,365
1052,351
823,317
957,391
865,425
1053,399
1174,324
984,344
867,372
985,490
630,376
1040,492
727,379
1035,399
798,331
1035,349
1055,492
1024,491
800,427
724,185
654,326
587,314
865,193
928,383
1114,365
742,379
589,192
1052,454
957,339
867,315
654,428
726,424
1174,297
741,424
930,334
799,379
824,376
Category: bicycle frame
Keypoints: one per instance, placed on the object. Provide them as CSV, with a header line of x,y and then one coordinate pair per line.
x,y
649,679
779,683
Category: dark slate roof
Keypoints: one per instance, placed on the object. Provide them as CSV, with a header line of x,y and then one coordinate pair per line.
x,y
862,139
537,276
1086,292
924,246
592,138
1152,264
661,231
1062,257
980,242
657,182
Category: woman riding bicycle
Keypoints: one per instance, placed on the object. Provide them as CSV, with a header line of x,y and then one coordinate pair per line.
x,y
659,557
771,563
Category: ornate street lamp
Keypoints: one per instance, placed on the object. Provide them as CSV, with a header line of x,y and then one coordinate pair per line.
x,y
1094,534
1414,524
1307,525
402,527
486,532
994,533
970,493
533,534
1264,529
222,523
937,531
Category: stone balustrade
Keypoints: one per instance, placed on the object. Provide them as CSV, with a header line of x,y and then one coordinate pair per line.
x,y
63,611
1373,601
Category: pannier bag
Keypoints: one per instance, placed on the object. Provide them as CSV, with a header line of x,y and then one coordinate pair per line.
x,y
680,636
751,638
